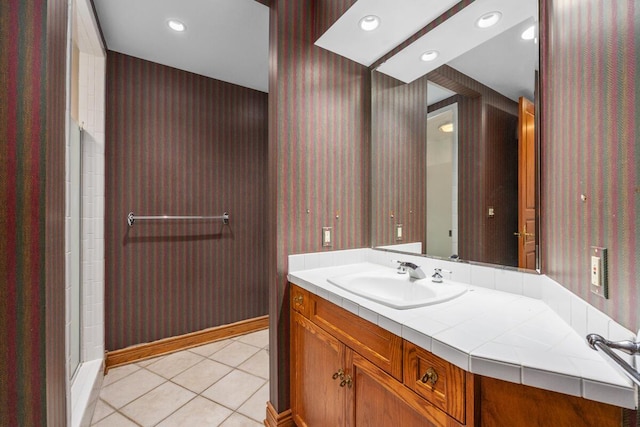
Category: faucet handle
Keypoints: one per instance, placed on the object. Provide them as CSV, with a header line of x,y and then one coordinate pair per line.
x,y
437,275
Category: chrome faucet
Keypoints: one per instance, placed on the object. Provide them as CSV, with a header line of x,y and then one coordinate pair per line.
x,y
414,270
437,275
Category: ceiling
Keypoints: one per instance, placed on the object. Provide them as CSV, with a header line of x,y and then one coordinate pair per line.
x,y
226,40
400,19
460,43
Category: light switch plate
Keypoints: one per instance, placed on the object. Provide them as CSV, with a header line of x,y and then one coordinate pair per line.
x,y
598,272
327,238
398,232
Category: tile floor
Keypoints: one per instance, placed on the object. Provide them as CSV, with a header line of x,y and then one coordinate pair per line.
x,y
225,383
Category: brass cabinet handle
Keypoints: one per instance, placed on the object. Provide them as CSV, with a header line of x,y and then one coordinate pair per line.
x,y
298,299
431,376
346,381
339,374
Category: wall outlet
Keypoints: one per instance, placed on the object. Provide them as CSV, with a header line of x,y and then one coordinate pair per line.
x,y
598,272
398,232
327,238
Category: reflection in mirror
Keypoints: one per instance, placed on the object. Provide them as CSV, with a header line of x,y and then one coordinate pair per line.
x,y
442,182
492,89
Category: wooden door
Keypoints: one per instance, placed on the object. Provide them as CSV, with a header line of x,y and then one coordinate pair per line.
x,y
526,185
378,400
316,357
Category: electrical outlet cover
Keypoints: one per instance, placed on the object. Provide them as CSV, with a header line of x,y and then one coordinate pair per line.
x,y
602,289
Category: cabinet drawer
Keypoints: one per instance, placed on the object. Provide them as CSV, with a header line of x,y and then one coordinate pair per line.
x,y
435,379
300,300
373,342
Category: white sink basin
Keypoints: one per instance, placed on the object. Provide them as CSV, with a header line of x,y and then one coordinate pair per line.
x,y
399,291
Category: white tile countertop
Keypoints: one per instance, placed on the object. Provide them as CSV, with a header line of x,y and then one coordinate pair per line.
x,y
488,332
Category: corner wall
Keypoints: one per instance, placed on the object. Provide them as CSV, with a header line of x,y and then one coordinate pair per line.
x,y
319,158
591,146
398,153
32,135
182,144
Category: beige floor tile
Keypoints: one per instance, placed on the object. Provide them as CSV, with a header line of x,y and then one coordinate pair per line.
x,y
234,354
147,362
116,420
258,364
202,375
118,373
159,403
198,412
256,407
101,411
257,339
173,364
234,389
237,420
208,349
130,387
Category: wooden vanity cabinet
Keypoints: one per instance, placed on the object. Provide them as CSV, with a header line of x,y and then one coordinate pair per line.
x,y
348,372
316,396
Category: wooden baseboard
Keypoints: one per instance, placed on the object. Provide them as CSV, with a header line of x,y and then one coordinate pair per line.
x,y
275,419
181,342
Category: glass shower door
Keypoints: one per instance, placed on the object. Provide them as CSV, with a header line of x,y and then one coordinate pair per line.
x,y
75,247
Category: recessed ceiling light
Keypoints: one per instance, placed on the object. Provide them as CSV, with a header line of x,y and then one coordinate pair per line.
x,y
446,128
176,25
369,23
529,33
429,55
489,19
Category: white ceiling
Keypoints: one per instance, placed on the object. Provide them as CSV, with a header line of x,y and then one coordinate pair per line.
x,y
400,19
507,63
511,61
229,39
226,40
457,35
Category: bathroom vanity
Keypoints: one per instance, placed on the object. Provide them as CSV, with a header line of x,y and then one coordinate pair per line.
x,y
347,370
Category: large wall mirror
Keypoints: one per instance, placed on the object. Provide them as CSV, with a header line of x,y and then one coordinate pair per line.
x,y
455,156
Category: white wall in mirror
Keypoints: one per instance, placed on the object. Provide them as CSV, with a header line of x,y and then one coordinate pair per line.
x,y
442,183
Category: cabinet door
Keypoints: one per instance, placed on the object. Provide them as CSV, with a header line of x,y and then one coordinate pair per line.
x,y
437,380
378,400
316,396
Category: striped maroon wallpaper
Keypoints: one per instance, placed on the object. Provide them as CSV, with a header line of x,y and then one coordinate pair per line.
x,y
590,124
181,144
487,168
32,89
55,356
398,150
326,12
319,109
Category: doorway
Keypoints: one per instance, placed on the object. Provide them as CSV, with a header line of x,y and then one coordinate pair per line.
x,y
442,182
